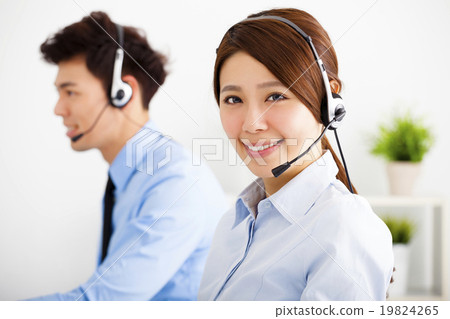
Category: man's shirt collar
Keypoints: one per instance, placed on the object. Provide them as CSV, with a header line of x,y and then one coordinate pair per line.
x,y
132,155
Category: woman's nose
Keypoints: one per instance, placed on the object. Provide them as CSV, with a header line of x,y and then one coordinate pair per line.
x,y
255,120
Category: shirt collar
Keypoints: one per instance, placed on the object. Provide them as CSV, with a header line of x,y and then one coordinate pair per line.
x,y
295,198
125,163
248,199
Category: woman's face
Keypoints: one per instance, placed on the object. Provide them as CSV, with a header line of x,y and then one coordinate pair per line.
x,y
264,120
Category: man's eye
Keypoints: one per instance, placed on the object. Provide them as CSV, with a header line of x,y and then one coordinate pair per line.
x,y
70,93
276,97
232,100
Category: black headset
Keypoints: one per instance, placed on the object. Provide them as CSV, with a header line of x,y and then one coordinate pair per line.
x,y
121,92
332,109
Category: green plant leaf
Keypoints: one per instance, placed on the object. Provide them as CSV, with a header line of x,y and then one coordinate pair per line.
x,y
401,228
406,139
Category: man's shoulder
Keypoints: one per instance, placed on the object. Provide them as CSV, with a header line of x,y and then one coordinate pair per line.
x,y
168,165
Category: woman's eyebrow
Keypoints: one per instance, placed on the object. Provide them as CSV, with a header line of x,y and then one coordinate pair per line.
x,y
270,84
264,85
231,88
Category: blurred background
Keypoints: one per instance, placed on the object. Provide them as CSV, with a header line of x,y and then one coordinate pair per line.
x,y
393,56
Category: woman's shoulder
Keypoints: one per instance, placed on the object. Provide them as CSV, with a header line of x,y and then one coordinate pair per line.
x,y
343,212
346,230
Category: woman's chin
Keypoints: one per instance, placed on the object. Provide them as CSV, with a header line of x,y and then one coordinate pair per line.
x,y
260,170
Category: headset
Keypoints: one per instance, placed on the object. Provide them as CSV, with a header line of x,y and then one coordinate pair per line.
x,y
121,92
333,106
332,109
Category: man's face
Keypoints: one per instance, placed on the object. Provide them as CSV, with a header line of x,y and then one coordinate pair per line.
x,y
81,100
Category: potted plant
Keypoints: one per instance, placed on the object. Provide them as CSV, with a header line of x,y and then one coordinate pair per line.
x,y
403,144
402,230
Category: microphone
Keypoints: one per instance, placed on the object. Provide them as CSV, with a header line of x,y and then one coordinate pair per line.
x,y
277,171
77,137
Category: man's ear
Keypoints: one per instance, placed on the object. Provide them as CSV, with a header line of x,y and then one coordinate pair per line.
x,y
335,86
131,80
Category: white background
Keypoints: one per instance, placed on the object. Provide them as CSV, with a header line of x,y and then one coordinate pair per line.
x,y
391,54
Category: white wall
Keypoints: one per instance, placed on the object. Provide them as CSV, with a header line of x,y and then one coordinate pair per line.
x,y
50,196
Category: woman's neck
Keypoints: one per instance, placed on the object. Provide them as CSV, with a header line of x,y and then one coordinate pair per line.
x,y
274,184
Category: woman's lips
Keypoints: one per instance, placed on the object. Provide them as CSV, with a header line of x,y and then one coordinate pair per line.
x,y
265,152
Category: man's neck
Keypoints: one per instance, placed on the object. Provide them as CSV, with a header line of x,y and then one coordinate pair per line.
x,y
110,152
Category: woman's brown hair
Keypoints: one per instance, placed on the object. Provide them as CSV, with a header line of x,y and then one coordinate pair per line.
x,y
288,57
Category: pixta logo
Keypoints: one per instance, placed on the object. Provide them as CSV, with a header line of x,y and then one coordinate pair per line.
x,y
148,151
215,149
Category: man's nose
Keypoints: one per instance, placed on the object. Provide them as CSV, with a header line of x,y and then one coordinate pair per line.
x,y
60,108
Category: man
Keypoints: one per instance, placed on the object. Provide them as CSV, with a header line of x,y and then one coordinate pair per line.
x,y
160,211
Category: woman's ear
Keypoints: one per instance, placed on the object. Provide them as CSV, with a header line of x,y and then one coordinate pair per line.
x,y
335,86
131,80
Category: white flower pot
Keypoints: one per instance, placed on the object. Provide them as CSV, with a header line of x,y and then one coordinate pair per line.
x,y
401,262
402,177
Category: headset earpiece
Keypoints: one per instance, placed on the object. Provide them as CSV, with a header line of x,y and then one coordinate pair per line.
x,y
333,110
324,112
121,92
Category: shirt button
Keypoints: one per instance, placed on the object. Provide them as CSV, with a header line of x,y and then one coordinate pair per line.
x,y
267,204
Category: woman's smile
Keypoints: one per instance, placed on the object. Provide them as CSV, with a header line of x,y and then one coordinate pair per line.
x,y
261,149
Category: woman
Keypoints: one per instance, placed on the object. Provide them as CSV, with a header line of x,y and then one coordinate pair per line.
x,y
302,235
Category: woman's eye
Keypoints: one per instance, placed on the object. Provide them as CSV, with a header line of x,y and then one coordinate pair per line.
x,y
232,100
276,97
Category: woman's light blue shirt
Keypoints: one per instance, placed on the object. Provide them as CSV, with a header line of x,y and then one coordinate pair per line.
x,y
311,240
